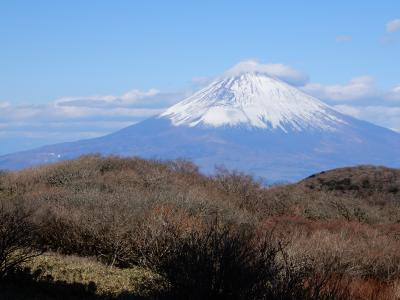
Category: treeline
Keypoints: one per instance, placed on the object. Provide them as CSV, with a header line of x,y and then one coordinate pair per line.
x,y
210,237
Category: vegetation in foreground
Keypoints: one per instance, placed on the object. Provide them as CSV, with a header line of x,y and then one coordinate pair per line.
x,y
105,228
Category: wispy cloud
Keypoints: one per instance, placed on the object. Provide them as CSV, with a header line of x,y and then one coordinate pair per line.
x,y
133,98
361,98
357,88
394,93
4,105
77,117
385,116
134,104
393,25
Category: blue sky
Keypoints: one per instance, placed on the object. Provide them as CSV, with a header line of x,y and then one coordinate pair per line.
x,y
78,69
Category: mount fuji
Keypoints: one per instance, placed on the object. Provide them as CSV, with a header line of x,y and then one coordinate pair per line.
x,y
250,122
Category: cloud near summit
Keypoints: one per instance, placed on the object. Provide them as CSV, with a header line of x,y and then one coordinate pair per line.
x,y
281,71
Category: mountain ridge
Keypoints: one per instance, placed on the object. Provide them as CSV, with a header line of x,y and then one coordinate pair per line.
x,y
286,148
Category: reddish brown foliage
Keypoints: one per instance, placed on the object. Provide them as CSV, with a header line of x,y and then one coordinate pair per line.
x,y
108,207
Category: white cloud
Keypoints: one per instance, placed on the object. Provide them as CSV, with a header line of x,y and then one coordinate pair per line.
x,y
385,116
4,105
358,88
133,98
84,112
394,93
133,105
72,118
393,25
344,38
281,71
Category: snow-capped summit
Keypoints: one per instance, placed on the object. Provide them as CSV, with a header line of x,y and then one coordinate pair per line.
x,y
253,99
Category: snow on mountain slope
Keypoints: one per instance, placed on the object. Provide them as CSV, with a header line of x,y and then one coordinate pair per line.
x,y
249,122
253,100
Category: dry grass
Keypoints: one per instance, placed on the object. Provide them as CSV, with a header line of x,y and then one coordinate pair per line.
x,y
107,280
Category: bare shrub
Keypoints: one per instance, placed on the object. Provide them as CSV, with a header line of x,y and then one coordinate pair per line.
x,y
104,232
217,262
227,261
17,237
183,166
362,250
240,186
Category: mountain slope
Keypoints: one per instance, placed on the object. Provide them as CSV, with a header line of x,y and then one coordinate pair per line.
x,y
249,122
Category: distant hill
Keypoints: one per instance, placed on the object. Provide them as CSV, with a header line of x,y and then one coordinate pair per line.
x,y
359,181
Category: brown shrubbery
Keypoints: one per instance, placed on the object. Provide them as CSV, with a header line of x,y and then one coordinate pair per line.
x,y
210,261
224,236
17,237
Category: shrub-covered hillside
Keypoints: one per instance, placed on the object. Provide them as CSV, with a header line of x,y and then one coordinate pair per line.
x,y
167,231
363,181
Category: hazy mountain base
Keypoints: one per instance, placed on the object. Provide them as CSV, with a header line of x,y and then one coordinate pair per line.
x,y
274,156
333,231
